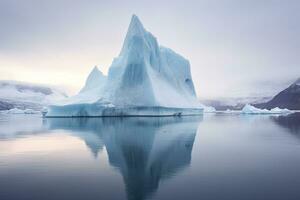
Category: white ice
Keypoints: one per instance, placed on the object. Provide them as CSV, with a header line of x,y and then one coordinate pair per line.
x,y
249,109
209,109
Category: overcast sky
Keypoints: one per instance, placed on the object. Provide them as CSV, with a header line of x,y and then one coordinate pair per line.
x,y
234,46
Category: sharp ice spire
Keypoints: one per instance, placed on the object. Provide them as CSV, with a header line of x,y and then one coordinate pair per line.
x,y
135,29
135,26
95,70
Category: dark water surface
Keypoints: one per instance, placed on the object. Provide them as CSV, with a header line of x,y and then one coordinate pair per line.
x,y
216,157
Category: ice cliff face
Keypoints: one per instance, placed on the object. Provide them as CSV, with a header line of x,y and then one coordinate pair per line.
x,y
143,75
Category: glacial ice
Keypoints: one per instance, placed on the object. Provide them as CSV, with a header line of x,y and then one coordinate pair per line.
x,y
145,79
249,109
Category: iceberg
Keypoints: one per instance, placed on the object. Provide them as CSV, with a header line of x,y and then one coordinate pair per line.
x,y
249,109
228,111
144,80
279,110
209,109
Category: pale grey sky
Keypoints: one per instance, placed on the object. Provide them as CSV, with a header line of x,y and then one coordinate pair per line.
x,y
234,46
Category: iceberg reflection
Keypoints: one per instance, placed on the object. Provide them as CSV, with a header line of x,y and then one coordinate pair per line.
x,y
144,150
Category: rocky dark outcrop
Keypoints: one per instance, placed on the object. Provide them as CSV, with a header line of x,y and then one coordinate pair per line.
x,y
288,98
5,105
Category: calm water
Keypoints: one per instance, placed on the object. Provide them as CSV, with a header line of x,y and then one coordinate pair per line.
x,y
210,157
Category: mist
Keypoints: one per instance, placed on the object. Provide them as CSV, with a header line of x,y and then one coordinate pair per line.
x,y
234,47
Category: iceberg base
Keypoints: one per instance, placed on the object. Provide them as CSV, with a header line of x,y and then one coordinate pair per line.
x,y
95,110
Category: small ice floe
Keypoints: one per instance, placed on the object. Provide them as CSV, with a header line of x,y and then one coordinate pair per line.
x,y
249,109
209,109
229,111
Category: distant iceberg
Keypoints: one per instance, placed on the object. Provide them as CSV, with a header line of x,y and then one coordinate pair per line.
x,y
145,79
249,109
209,109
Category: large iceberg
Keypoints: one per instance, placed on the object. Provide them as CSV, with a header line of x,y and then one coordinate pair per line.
x,y
145,79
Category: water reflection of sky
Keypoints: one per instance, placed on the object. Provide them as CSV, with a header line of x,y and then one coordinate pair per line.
x,y
144,151
241,157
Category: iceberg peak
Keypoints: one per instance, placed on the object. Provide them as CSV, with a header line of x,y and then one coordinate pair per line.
x,y
94,80
135,27
136,34
96,70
